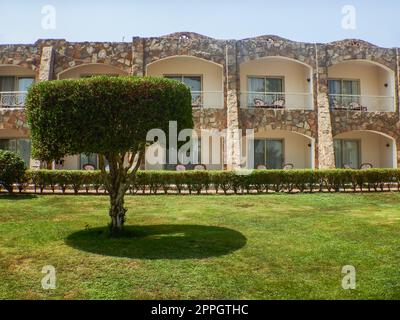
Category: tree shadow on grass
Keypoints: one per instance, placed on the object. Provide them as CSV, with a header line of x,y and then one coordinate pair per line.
x,y
160,241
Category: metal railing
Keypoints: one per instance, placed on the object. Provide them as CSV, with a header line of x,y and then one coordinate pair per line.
x,y
276,100
361,103
207,99
12,99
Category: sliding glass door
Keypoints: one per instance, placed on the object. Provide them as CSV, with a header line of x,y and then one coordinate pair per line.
x,y
20,146
347,153
269,153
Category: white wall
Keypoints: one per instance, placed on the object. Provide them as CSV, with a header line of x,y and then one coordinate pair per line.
x,y
90,69
295,78
296,149
212,75
372,82
373,148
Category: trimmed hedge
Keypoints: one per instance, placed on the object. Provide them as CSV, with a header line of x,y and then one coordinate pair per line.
x,y
12,170
196,182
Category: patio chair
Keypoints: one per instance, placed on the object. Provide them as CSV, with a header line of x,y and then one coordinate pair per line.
x,y
366,165
279,103
199,167
180,167
259,103
288,166
261,167
347,166
356,106
89,167
196,102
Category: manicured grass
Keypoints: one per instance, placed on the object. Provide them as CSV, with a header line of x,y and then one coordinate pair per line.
x,y
203,247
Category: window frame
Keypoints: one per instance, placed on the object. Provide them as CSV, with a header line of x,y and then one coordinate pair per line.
x,y
359,148
282,141
282,78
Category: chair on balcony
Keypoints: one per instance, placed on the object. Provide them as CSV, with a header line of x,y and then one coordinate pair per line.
x,y
259,103
365,166
261,167
196,102
279,103
356,106
347,166
288,166
337,105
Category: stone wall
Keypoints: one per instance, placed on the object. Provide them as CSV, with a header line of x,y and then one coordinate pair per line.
x,y
14,119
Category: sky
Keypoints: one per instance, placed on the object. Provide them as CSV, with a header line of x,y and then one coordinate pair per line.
x,y
119,20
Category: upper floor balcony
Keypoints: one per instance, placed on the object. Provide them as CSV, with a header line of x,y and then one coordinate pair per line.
x,y
204,78
361,86
14,85
276,83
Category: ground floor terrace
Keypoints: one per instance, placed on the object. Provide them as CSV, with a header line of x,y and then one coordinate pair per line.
x,y
264,149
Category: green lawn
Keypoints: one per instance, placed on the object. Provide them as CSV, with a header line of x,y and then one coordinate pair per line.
x,y
202,247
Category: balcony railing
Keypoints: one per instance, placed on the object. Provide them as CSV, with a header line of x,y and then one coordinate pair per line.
x,y
361,103
276,100
12,99
208,99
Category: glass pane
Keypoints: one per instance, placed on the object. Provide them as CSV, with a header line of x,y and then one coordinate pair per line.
x,y
5,144
256,84
88,159
274,154
337,145
259,153
25,83
256,89
335,87
7,83
193,82
274,85
350,154
24,149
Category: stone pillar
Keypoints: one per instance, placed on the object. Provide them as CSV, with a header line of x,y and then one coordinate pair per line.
x,y
326,156
46,64
233,136
138,67
45,74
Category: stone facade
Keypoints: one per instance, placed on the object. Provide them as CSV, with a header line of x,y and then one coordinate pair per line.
x,y
48,58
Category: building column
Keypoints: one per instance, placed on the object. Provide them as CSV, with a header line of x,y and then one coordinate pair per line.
x,y
233,136
138,67
326,156
45,74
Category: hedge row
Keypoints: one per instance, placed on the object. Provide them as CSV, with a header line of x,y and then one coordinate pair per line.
x,y
221,181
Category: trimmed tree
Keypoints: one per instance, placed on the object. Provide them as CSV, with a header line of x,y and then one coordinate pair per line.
x,y
109,116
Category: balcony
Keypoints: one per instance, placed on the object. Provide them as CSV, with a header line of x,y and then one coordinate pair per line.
x,y
12,99
361,103
208,99
276,100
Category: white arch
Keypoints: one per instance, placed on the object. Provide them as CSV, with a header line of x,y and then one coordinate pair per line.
x,y
10,69
393,156
279,58
181,56
89,65
308,150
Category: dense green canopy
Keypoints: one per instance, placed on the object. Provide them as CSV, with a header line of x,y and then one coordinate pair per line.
x,y
103,114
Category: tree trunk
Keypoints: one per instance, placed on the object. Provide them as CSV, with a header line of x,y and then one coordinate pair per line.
x,y
117,210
